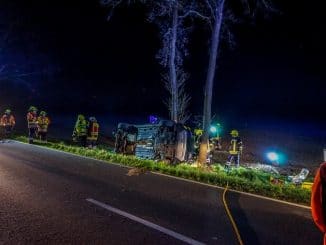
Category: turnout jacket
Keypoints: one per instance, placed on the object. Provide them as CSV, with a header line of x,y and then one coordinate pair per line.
x,y
80,128
31,120
93,129
43,123
7,120
235,147
318,199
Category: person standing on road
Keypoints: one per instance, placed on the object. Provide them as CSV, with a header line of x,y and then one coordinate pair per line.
x,y
80,131
318,199
42,126
7,123
31,118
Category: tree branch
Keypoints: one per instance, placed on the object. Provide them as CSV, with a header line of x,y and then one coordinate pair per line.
x,y
194,13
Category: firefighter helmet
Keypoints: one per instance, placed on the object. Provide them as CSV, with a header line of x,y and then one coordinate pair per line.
x,y
198,131
234,133
43,113
92,119
81,117
8,111
32,108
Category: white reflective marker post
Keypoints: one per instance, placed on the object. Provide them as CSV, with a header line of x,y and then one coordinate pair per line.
x,y
325,155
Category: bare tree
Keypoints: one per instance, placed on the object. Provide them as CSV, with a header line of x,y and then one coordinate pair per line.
x,y
113,4
183,98
220,12
170,16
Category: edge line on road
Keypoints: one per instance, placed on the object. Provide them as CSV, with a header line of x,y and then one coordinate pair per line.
x,y
231,190
166,231
72,154
173,177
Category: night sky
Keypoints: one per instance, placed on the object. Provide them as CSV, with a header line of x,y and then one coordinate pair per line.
x,y
79,62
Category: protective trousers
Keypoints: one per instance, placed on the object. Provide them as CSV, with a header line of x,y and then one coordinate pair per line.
x,y
31,134
235,158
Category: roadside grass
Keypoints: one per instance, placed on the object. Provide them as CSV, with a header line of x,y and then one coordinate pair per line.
x,y
240,179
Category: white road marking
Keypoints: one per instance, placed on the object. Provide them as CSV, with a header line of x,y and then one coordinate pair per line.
x,y
72,154
174,177
146,223
231,190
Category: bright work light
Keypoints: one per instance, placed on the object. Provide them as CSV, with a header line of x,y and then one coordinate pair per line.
x,y
213,129
273,156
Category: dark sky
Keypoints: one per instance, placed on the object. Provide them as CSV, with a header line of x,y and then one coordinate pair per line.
x,y
84,63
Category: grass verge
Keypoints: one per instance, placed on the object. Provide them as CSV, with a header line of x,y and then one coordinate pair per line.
x,y
240,179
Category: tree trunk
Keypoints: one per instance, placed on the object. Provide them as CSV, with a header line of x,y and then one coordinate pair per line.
x,y
172,66
207,113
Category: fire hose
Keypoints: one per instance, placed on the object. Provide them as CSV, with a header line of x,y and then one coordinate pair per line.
x,y
234,225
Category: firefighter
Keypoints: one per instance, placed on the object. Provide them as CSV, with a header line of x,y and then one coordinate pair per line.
x,y
80,130
235,149
32,123
198,134
42,125
92,132
318,200
7,123
198,141
215,143
118,147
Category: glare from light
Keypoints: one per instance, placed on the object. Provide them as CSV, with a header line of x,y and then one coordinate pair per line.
x,y
272,156
213,129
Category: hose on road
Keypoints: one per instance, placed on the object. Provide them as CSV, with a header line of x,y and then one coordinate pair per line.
x,y
234,225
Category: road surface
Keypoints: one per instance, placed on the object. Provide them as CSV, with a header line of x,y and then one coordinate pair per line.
x,y
51,197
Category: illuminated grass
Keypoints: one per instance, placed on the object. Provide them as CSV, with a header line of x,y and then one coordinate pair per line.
x,y
241,179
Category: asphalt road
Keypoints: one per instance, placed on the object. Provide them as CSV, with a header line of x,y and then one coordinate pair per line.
x,y
43,200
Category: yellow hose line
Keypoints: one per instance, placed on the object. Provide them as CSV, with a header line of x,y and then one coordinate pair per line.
x,y
235,228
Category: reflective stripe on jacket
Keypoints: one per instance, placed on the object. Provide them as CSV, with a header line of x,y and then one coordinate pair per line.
x,y
93,131
235,146
31,120
7,120
81,128
43,123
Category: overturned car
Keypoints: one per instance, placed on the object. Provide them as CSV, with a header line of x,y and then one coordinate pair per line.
x,y
164,140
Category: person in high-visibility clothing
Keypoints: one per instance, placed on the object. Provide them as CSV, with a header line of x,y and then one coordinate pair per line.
x,y
80,130
318,199
235,149
43,123
31,118
7,123
197,139
92,132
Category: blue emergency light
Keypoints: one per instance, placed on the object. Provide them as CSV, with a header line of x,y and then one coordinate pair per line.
x,y
153,119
